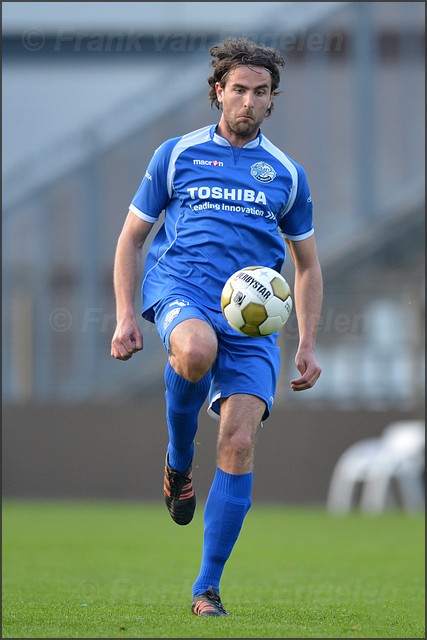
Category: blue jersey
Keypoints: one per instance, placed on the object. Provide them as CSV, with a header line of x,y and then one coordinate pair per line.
x,y
225,208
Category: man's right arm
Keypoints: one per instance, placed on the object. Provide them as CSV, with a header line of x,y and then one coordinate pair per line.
x,y
127,338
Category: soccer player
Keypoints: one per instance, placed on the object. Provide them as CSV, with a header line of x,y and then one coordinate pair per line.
x,y
231,199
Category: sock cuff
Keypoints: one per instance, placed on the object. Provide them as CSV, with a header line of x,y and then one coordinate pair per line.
x,y
232,485
180,385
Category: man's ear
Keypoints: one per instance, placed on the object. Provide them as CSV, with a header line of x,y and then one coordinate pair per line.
x,y
218,89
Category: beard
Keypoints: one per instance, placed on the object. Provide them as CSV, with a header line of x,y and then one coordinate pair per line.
x,y
243,128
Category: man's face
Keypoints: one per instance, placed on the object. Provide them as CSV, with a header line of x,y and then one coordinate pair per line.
x,y
245,100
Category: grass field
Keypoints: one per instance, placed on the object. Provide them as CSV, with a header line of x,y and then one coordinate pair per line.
x,y
125,570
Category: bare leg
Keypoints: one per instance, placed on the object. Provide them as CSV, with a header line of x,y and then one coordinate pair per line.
x,y
240,418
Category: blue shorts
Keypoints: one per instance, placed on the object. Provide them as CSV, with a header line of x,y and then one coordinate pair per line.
x,y
244,364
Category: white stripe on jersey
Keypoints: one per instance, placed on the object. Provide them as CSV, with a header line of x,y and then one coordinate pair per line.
x,y
189,140
141,214
283,158
302,236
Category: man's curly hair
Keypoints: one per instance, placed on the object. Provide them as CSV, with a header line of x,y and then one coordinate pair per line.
x,y
233,53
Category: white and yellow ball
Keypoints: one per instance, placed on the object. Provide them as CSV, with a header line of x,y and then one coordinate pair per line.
x,y
256,301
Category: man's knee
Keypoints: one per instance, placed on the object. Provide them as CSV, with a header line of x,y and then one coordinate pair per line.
x,y
194,361
239,443
193,349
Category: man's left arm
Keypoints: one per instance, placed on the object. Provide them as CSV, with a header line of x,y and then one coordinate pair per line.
x,y
308,297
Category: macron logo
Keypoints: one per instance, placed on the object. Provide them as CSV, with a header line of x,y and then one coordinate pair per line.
x,y
209,163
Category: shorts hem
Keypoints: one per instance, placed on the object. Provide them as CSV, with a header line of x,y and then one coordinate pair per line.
x,y
215,414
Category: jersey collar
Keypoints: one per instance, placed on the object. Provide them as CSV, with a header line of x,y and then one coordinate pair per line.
x,y
224,143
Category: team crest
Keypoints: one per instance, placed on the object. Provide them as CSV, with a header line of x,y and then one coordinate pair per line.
x,y
263,172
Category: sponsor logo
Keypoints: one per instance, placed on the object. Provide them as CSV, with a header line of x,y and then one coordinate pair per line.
x,y
309,199
148,176
208,163
218,193
263,172
171,315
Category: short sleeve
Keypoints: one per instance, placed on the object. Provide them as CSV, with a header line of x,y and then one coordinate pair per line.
x,y
297,222
152,195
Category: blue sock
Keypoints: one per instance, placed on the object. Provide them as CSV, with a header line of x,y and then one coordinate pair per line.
x,y
228,502
184,400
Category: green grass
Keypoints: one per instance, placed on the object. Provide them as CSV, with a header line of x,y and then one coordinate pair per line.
x,y
125,570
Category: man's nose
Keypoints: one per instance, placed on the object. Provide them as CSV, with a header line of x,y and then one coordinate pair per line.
x,y
249,100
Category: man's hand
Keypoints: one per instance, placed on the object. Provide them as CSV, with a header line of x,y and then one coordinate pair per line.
x,y
127,339
309,369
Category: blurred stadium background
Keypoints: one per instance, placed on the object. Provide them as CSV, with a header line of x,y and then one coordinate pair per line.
x,y
89,91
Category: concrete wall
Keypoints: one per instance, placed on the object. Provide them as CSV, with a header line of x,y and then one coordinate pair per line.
x,y
117,451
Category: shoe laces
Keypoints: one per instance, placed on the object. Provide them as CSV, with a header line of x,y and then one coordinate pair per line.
x,y
177,480
212,595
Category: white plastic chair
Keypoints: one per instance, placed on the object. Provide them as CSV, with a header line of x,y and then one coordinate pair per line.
x,y
400,462
348,474
376,465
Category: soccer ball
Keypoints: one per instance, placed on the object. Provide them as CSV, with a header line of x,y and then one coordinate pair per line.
x,y
256,301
